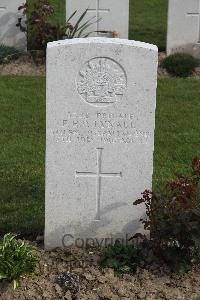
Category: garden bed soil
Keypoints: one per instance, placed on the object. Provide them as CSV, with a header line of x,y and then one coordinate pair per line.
x,y
94,284
26,66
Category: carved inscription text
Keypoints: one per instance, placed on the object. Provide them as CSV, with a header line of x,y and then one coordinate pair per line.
x,y
101,127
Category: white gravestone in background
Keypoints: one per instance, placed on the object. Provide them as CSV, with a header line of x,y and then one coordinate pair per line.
x,y
11,35
184,27
101,99
110,15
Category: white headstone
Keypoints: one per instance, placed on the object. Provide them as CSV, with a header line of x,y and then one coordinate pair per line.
x,y
110,15
101,99
184,27
11,35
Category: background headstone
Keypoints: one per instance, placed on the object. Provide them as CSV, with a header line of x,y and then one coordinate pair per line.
x,y
114,15
11,35
101,98
184,27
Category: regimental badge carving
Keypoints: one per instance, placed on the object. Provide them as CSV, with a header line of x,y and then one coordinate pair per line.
x,y
101,81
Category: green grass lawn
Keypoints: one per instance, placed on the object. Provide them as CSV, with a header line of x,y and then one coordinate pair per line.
x,y
148,20
22,137
59,11
22,105
177,138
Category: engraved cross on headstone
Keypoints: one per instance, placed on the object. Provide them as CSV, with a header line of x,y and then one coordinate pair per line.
x,y
98,175
98,12
196,14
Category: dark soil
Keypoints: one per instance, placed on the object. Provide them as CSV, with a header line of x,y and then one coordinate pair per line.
x,y
24,66
74,274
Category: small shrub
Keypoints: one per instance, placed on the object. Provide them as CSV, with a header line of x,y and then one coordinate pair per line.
x,y
180,64
173,218
178,259
8,53
16,258
123,259
40,30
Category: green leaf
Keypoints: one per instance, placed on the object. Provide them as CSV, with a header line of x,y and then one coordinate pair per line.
x,y
2,276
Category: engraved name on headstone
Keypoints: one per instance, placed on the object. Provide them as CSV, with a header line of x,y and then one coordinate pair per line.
x,y
101,98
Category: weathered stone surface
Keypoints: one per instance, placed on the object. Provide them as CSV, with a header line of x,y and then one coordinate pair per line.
x,y
101,98
11,35
111,15
184,27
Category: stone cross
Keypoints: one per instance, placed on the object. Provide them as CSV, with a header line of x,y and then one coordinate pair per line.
x,y
197,14
98,11
98,175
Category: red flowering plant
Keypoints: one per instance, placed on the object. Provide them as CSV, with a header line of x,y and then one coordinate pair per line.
x,y
173,217
35,22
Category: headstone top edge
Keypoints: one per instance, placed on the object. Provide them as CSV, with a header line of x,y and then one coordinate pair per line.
x,y
102,40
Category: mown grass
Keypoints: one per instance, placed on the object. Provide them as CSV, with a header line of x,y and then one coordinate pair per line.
x,y
59,11
177,138
22,127
22,138
148,21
